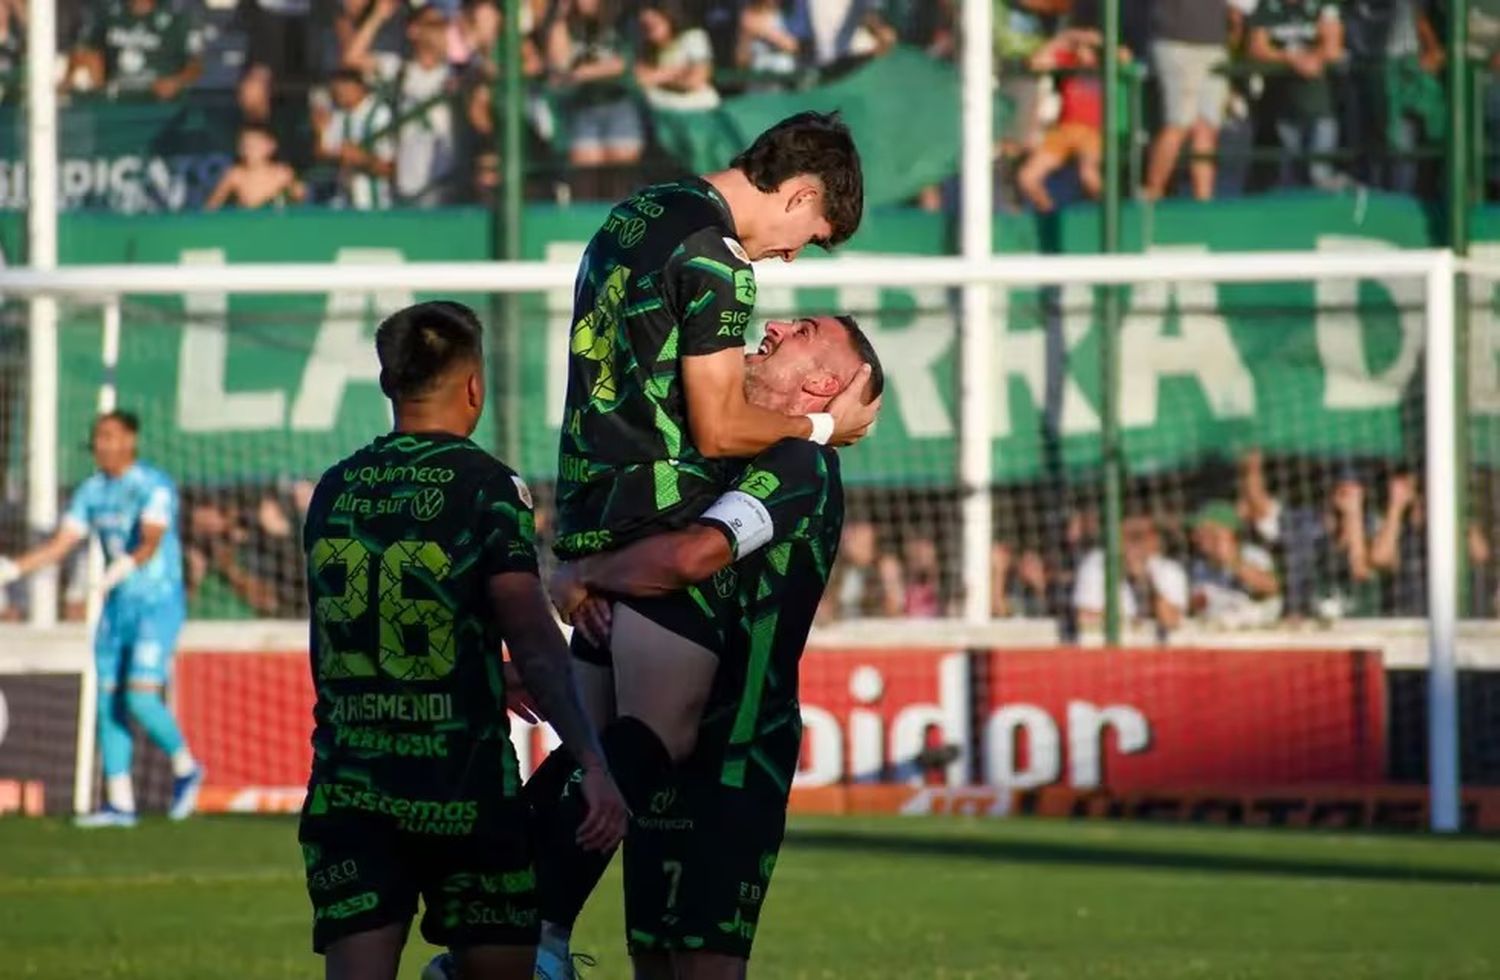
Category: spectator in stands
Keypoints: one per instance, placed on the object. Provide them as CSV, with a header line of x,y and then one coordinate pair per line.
x,y
1399,547
12,47
1153,589
279,53
426,127
257,179
367,33
1484,51
356,136
471,47
922,591
1326,555
866,582
1018,583
261,560
1188,52
934,26
1077,133
1258,510
676,63
1022,28
586,54
841,34
1301,40
1232,582
767,49
1391,93
137,49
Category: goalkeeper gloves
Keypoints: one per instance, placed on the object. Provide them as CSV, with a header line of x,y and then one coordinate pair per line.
x,y
9,571
118,571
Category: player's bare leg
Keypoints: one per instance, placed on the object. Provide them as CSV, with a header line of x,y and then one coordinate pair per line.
x,y
372,955
596,689
495,962
661,678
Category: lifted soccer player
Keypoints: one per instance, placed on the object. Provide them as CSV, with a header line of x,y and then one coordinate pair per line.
x,y
421,559
655,403
132,507
699,857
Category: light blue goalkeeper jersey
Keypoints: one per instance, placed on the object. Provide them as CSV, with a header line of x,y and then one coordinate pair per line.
x,y
115,509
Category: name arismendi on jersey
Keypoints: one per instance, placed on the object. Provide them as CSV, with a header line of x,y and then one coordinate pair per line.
x,y
349,708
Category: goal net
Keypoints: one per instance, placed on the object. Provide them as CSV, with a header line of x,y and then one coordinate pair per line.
x,y
1275,500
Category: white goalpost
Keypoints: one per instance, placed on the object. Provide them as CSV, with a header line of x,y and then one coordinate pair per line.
x,y
972,274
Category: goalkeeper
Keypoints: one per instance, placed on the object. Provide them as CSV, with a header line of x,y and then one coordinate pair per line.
x,y
132,508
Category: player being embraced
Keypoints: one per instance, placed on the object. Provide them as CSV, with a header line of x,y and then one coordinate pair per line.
x,y
655,405
132,509
421,560
699,857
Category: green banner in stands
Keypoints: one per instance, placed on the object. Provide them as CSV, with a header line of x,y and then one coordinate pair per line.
x,y
255,387
127,157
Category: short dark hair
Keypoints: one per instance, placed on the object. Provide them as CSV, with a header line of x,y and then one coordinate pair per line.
x,y
419,344
866,352
347,74
129,420
817,144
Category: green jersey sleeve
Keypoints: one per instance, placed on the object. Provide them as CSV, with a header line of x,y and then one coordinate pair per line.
x,y
774,498
506,525
710,289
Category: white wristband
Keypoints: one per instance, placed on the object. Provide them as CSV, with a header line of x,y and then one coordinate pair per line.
x,y
822,425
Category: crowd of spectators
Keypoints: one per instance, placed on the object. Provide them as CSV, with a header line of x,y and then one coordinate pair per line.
x,y
1215,549
1237,95
374,103
378,103
1258,545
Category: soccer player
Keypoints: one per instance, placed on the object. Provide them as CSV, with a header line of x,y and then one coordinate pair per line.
x,y
700,855
421,559
132,508
655,402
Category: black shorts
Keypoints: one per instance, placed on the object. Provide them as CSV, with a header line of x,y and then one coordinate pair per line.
x,y
698,864
704,614
369,855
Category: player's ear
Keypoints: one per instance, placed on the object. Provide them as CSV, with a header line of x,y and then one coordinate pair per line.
x,y
802,191
475,390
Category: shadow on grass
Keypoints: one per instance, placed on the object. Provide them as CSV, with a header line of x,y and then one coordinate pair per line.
x,y
1110,855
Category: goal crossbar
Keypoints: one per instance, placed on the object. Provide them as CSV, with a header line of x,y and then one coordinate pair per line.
x,y
1436,269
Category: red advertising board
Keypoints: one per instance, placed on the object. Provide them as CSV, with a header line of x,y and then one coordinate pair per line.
x,y
1078,720
248,717
1141,719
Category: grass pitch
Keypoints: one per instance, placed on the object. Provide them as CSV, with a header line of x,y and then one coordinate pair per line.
x,y
900,897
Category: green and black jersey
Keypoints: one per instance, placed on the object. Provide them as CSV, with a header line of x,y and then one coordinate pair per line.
x,y
664,278
785,512
401,539
139,49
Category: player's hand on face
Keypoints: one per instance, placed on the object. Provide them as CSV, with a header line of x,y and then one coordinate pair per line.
x,y
594,618
518,699
852,418
566,590
606,821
